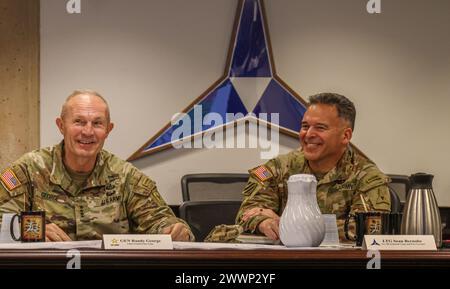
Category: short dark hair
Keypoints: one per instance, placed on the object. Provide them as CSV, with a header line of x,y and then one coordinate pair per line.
x,y
345,108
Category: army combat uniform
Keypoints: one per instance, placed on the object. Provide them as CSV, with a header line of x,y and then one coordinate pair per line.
x,y
338,191
116,198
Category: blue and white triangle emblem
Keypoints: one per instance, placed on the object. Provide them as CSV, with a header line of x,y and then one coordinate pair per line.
x,y
249,86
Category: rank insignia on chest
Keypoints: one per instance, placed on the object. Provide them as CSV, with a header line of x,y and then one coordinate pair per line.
x,y
262,173
9,179
109,187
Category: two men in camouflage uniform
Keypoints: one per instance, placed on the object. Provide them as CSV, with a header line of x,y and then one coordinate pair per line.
x,y
347,181
86,191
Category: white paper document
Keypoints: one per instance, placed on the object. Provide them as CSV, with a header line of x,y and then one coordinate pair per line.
x,y
256,239
239,246
94,244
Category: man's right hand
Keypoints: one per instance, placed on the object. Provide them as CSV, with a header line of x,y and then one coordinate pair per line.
x,y
270,228
178,232
257,211
53,233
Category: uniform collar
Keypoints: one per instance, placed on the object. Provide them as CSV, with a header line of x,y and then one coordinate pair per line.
x,y
100,176
341,171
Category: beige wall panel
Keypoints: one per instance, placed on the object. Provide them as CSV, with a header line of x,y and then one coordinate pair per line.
x,y
151,58
19,78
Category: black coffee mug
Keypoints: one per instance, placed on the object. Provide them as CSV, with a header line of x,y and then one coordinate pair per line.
x,y
32,226
374,223
392,223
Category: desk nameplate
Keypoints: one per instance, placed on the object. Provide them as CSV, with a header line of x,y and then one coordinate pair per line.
x,y
137,242
399,242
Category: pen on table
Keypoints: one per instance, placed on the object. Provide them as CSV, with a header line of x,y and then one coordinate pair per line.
x,y
363,202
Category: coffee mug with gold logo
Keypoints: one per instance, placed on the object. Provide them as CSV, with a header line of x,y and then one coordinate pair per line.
x,y
369,223
32,226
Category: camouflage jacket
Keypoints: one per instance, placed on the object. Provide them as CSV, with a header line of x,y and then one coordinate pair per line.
x,y
338,191
117,197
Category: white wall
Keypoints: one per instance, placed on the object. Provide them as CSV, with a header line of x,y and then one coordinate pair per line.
x,y
151,58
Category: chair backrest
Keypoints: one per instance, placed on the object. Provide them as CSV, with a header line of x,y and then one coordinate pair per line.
x,y
396,206
203,216
400,184
211,186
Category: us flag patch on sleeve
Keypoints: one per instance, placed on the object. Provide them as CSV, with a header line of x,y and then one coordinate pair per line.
x,y
262,173
9,179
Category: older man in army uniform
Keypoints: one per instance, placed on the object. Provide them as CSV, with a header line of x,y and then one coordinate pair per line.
x,y
86,191
347,181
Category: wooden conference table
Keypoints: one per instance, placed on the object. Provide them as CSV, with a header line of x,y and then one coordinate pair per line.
x,y
224,259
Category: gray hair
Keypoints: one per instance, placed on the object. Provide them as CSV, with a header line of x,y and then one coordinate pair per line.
x,y
345,108
88,92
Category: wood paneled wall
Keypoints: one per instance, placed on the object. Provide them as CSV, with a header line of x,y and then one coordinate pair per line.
x,y
19,78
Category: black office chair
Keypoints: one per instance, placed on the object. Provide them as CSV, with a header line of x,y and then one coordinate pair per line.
x,y
396,206
401,185
203,216
213,186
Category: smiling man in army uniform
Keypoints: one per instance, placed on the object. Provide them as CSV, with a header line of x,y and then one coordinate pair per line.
x,y
347,181
84,190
